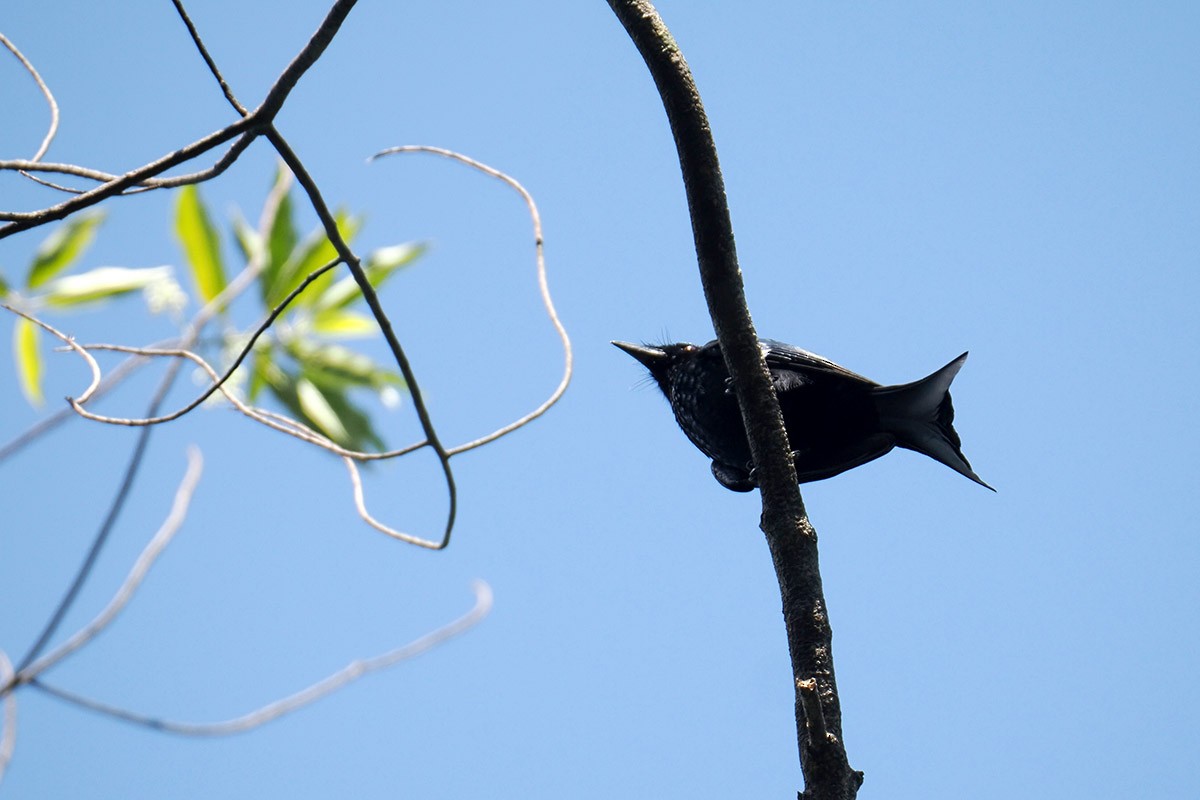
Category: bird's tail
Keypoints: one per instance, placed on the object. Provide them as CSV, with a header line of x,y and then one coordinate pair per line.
x,y
921,418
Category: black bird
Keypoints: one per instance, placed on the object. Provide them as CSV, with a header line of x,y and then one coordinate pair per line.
x,y
835,419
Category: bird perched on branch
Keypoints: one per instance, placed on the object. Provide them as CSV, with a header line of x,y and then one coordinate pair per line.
x,y
835,419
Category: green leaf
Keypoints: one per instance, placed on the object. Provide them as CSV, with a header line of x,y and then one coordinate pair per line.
x,y
313,253
386,260
360,435
317,409
100,284
258,373
340,367
63,247
201,245
4,288
281,383
29,360
381,264
336,322
250,243
321,403
281,238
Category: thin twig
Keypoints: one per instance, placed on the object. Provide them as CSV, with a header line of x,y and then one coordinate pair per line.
x,y
43,426
212,65
543,287
29,165
304,697
44,89
102,534
144,185
361,505
8,732
94,386
170,526
307,56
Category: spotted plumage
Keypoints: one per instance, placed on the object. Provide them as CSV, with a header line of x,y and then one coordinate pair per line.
x,y
835,419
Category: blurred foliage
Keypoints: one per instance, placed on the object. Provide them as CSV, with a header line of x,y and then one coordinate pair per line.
x,y
299,362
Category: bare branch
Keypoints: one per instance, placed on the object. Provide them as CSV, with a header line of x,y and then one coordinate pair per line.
x,y
114,378
790,536
350,673
170,526
8,732
94,386
144,185
361,505
20,221
308,56
45,90
543,286
29,165
212,65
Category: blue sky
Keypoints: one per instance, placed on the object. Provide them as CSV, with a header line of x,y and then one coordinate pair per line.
x,y
1015,179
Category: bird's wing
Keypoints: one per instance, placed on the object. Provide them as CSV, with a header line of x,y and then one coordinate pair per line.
x,y
785,356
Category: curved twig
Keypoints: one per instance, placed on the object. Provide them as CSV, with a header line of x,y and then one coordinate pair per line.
x,y
272,711
45,90
70,342
360,504
53,128
114,378
543,287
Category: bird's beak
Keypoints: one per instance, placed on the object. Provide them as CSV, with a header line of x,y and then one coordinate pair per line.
x,y
650,357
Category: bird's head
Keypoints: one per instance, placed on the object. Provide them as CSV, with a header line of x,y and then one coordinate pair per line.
x,y
660,359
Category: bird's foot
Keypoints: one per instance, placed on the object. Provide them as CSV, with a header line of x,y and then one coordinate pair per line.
x,y
734,478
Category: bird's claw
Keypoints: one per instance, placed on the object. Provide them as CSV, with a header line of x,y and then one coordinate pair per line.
x,y
733,478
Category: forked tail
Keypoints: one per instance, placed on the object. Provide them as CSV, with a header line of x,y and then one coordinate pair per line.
x,y
921,418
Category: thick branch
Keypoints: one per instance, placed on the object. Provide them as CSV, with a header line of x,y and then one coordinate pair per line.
x,y
790,536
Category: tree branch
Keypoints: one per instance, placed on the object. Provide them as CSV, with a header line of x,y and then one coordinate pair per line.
x,y
247,128
278,708
141,567
790,536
